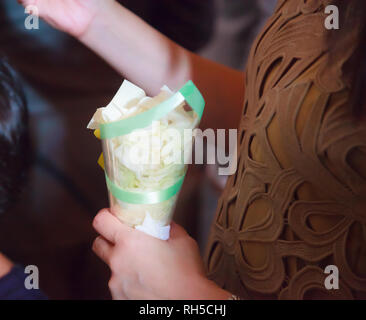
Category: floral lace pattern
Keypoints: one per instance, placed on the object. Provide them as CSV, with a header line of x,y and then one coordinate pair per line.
x,y
297,202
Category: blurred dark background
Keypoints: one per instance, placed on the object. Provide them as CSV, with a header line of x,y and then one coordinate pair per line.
x,y
64,82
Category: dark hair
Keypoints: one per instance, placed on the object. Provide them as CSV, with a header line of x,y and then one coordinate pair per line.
x,y
353,22
14,137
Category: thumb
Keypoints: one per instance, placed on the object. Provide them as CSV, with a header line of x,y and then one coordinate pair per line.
x,y
177,231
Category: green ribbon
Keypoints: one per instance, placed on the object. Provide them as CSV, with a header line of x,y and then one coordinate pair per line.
x,y
188,93
144,198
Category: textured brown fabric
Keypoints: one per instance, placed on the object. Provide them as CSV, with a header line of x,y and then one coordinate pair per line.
x,y
297,202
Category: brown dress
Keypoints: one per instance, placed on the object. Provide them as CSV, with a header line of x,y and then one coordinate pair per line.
x,y
297,202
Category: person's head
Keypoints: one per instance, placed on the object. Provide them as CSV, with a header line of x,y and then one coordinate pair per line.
x,y
14,138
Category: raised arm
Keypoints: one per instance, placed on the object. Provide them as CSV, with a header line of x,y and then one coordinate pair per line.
x,y
145,56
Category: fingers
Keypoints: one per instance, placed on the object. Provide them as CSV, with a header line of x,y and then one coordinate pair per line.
x,y
5,265
27,2
176,231
103,249
116,289
109,227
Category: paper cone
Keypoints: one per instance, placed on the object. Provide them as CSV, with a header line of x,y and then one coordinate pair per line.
x,y
144,152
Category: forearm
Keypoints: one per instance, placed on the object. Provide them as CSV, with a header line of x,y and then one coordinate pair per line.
x,y
149,59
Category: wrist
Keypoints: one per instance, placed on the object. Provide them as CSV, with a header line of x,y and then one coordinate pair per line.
x,y
209,290
101,14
